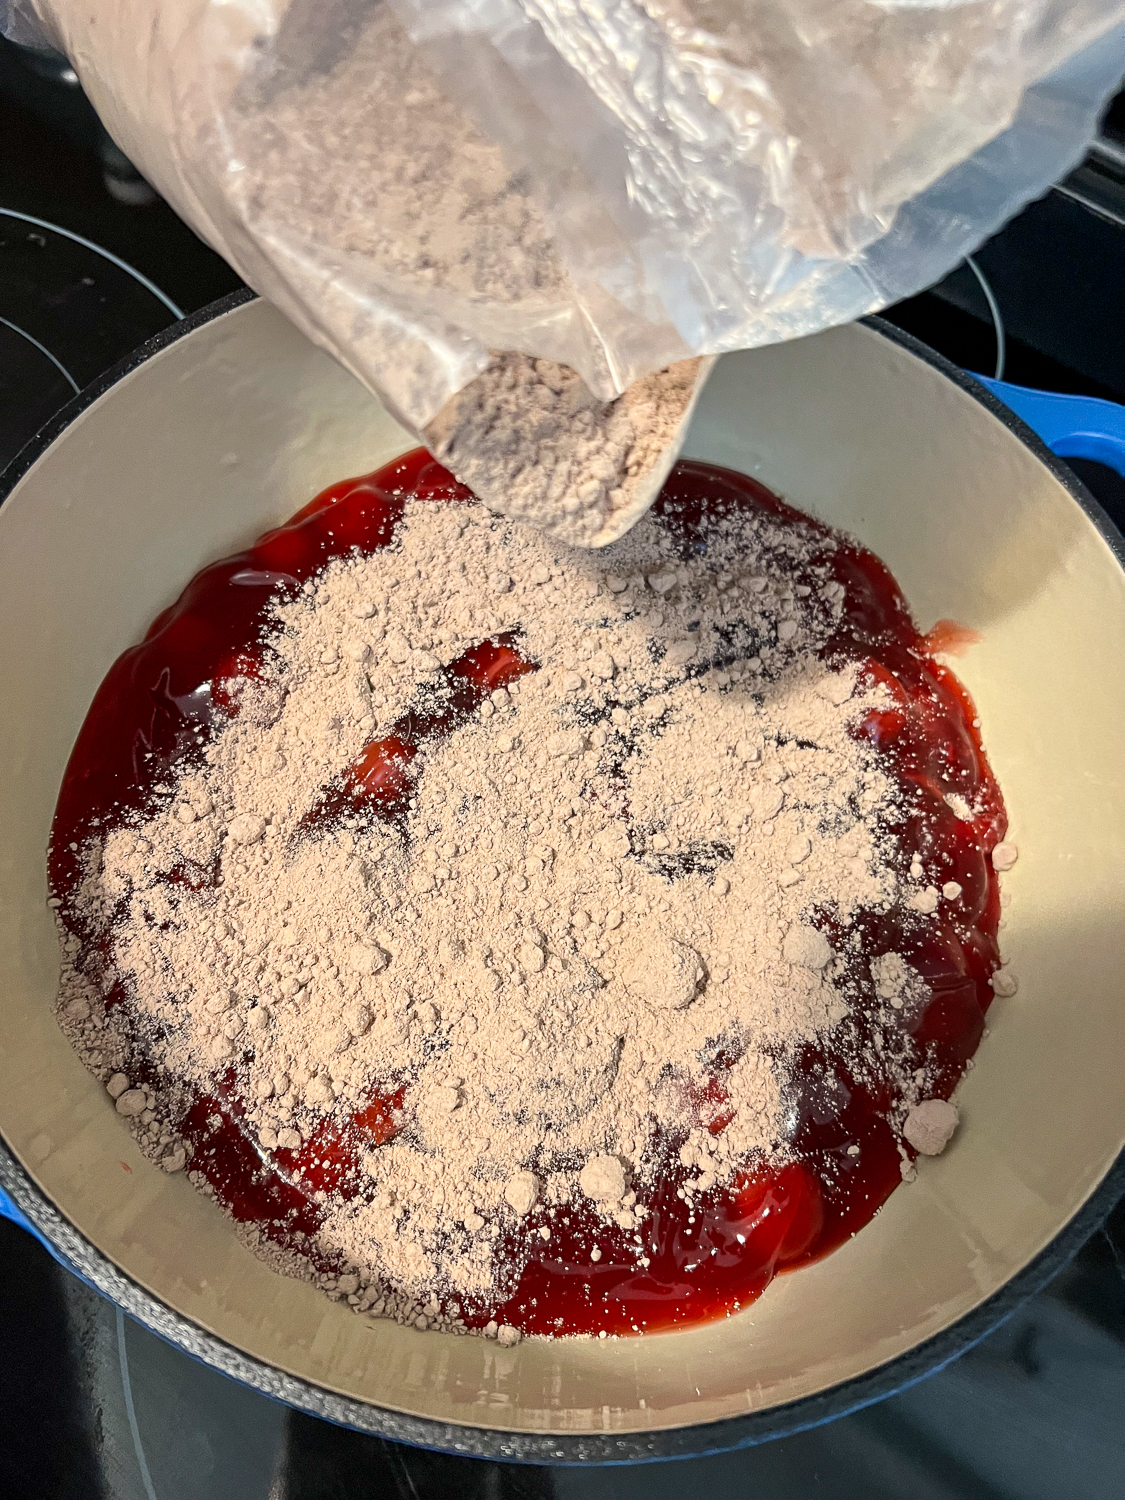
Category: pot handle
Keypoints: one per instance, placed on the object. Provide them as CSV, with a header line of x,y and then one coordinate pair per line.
x,y
1071,426
8,1210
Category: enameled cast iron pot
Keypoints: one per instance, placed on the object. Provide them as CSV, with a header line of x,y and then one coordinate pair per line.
x,y
230,422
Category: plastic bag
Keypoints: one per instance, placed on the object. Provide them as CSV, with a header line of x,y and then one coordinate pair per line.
x,y
612,184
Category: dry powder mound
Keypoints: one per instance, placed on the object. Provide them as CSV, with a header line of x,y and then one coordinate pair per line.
x,y
387,209
602,880
369,171
371,161
531,440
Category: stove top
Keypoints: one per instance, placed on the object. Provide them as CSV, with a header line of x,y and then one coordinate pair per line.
x,y
92,263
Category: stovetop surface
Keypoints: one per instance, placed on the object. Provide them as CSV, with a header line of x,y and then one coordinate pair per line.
x,y
92,1405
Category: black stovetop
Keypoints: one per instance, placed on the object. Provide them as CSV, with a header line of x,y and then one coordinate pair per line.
x,y
91,264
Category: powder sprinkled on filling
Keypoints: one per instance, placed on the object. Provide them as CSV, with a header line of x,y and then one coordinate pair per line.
x,y
616,869
534,443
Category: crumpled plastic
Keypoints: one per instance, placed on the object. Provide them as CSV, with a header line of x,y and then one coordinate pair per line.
x,y
612,184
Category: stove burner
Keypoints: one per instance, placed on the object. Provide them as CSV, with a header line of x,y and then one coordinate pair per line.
x,y
36,344
69,309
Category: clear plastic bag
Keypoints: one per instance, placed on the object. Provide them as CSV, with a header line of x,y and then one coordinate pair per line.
x,y
612,184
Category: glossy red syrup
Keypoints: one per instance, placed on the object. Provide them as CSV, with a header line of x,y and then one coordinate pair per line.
x,y
162,701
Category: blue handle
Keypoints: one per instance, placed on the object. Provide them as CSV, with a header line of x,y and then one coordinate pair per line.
x,y
8,1210
1071,426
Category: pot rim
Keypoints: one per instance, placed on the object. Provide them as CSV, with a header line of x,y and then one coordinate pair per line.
x,y
687,1441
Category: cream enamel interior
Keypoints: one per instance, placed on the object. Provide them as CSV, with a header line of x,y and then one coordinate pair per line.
x,y
233,427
